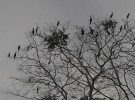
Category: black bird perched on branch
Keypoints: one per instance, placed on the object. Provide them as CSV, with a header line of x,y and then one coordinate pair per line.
x,y
15,55
49,62
111,15
28,47
8,54
128,15
37,89
19,48
33,31
120,28
90,20
82,31
124,26
91,31
36,29
58,23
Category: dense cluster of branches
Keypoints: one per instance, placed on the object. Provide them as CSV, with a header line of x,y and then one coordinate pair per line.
x,y
91,63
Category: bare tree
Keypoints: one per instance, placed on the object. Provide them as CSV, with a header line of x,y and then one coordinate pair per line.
x,y
90,63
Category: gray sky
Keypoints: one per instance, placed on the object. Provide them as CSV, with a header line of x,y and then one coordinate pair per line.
x,y
19,16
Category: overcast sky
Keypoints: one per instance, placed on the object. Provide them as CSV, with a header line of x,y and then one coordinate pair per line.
x,y
19,16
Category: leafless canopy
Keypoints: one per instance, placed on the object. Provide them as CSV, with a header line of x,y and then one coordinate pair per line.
x,y
98,63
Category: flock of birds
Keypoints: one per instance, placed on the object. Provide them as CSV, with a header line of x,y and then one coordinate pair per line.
x,y
91,30
133,44
82,32
126,17
19,47
33,33
9,55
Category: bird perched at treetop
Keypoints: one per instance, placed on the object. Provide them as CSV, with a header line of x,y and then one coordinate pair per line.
x,y
36,29
82,31
90,20
8,54
33,31
15,55
91,31
111,15
37,89
19,48
49,62
124,26
58,23
28,47
120,28
128,15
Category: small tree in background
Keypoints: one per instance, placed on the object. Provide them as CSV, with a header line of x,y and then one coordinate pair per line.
x,y
90,63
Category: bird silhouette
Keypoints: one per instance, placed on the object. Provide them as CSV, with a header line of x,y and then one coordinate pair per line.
x,y
49,62
15,55
33,31
124,26
58,23
8,54
120,28
90,20
91,31
82,31
19,48
37,89
128,15
111,15
28,47
36,29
